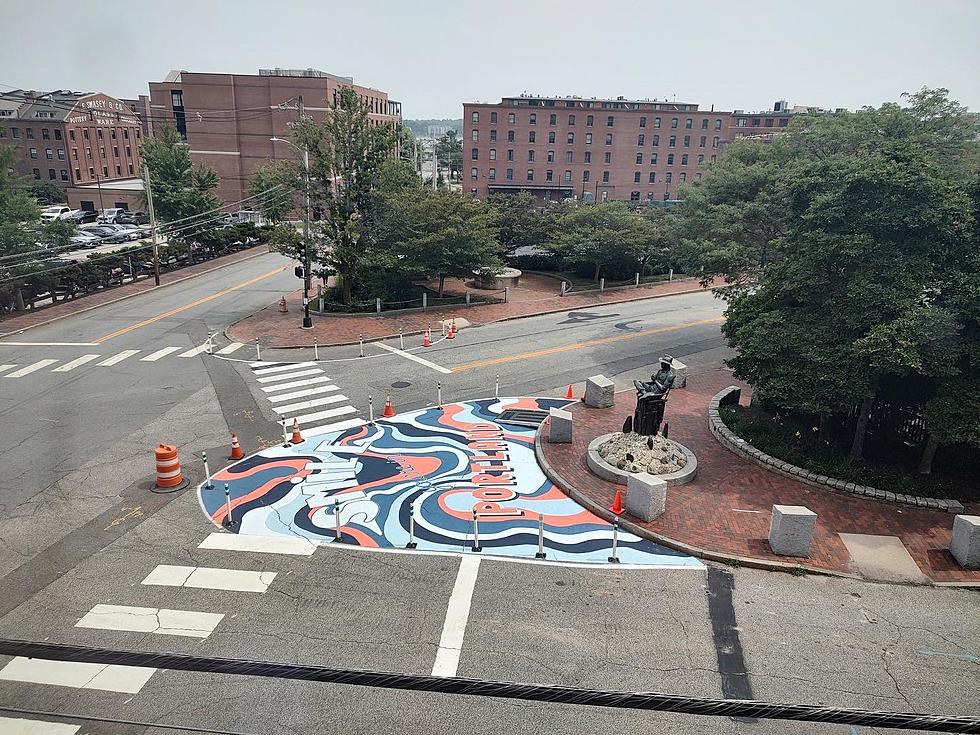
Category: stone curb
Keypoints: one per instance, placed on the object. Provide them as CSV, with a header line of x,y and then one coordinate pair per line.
x,y
734,443
149,289
602,512
607,472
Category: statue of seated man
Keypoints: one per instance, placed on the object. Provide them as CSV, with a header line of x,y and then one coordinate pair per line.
x,y
651,398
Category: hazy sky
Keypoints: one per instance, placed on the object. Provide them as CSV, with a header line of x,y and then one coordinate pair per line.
x,y
432,56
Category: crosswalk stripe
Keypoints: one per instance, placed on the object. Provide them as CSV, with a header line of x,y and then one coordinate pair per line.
x,y
264,363
7,367
232,580
27,369
117,358
20,726
274,398
287,376
228,349
74,363
303,405
260,544
154,356
329,428
282,368
194,351
187,623
106,677
332,413
296,384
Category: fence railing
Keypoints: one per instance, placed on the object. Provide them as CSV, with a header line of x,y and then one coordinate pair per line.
x,y
425,302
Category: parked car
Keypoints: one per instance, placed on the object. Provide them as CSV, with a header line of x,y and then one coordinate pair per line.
x,y
120,233
132,232
133,218
80,216
57,212
84,240
108,216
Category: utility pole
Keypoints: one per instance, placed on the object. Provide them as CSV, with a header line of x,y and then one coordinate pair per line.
x,y
307,321
153,225
435,165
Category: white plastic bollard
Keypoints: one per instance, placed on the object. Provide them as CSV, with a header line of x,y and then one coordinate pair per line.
x,y
411,527
476,534
229,521
285,435
360,341
439,389
370,411
602,285
336,519
207,472
540,554
258,353
636,279
670,275
316,351
401,339
615,542
496,386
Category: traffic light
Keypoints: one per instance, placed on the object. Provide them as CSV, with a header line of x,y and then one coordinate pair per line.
x,y
298,271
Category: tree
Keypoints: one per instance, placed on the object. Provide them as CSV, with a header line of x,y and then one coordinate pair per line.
x,y
272,187
521,223
410,149
47,192
449,151
346,158
180,190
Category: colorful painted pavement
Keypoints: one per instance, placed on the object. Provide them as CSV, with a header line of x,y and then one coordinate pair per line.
x,y
443,463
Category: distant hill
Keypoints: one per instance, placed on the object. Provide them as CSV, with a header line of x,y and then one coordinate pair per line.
x,y
421,127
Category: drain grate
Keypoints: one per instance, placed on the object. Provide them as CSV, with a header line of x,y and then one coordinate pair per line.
x,y
522,416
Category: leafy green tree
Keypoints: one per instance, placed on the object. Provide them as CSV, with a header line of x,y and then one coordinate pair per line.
x,y
521,222
47,192
272,186
180,189
449,150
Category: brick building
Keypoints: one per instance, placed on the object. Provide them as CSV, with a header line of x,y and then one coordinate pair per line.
x,y
601,149
73,139
229,119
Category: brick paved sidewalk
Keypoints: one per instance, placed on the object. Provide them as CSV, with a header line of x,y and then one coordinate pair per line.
x,y
536,295
44,315
710,513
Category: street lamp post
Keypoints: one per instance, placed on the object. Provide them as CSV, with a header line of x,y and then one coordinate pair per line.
x,y
307,321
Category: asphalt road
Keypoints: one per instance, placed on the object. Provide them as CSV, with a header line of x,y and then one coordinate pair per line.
x,y
79,528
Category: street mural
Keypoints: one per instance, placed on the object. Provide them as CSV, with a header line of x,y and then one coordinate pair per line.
x,y
438,464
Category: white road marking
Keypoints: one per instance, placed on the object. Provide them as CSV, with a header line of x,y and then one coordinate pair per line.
x,y
107,677
209,578
301,393
49,344
117,358
328,428
154,356
413,358
282,368
303,405
287,376
193,351
296,384
457,614
74,363
28,369
227,350
7,367
263,363
18,726
259,544
151,620
332,413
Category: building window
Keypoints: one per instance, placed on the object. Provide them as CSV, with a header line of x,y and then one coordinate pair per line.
x,y
549,175
493,136
656,140
588,156
697,176
510,136
670,177
607,158
639,158
571,138
115,151
105,171
475,117
112,133
533,119
568,156
605,177
475,136
30,133
713,158
670,159
46,134
91,172
640,139
474,154
756,122
700,158
51,174
492,174
553,119
634,196
652,179
684,160
715,142
656,122
673,122
741,122
672,142
493,154
71,134
57,134
609,121
608,138
130,169
683,176
530,174
703,141
653,159
718,124
102,152
510,154
689,123
636,177
510,174
49,154
118,170
567,176
783,121
88,152
551,137
585,176
588,138
530,136
768,122
64,174
687,141
78,174
3,132
61,154
99,133
37,173
15,132
704,124
493,117
589,120
85,133
571,120
33,152
643,122
511,118
473,173
530,155
551,156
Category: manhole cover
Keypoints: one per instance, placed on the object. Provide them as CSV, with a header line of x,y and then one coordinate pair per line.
x,y
400,384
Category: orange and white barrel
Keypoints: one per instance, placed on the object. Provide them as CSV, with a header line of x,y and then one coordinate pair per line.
x,y
168,466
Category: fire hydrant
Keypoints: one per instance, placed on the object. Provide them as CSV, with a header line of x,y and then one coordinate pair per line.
x,y
283,309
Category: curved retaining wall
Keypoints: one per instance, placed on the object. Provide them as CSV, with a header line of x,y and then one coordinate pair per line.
x,y
730,440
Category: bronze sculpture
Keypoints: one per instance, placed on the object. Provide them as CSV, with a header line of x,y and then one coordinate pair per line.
x,y
651,398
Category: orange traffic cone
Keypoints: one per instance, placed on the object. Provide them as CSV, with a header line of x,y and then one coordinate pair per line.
x,y
568,393
389,409
427,342
297,436
236,448
451,332
617,506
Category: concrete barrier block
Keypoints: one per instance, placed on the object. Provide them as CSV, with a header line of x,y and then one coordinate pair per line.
x,y
791,530
965,545
646,496
560,426
599,392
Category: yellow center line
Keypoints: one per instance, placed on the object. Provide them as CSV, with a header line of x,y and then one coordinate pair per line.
x,y
580,345
185,307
